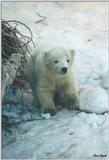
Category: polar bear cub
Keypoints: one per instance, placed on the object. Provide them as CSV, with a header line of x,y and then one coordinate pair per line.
x,y
51,73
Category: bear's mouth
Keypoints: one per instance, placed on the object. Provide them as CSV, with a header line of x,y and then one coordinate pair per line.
x,y
63,73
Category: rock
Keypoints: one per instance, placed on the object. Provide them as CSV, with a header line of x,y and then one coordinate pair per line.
x,y
105,81
94,100
26,117
64,136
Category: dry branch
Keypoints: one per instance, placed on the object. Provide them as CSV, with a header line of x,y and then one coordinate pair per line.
x,y
43,18
9,70
14,52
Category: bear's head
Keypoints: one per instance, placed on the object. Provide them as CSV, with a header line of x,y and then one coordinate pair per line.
x,y
59,60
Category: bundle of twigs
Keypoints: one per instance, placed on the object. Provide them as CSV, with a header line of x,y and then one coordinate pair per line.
x,y
12,40
14,49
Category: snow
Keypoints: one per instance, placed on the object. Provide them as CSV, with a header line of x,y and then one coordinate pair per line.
x,y
105,81
94,100
66,135
69,134
46,115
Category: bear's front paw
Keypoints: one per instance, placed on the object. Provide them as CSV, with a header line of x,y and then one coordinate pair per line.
x,y
72,101
50,110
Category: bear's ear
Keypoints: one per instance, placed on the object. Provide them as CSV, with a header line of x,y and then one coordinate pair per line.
x,y
45,54
73,52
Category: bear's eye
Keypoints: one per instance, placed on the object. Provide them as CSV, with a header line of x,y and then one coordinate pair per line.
x,y
68,60
55,61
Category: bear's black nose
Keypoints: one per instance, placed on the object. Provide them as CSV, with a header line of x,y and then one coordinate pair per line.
x,y
64,70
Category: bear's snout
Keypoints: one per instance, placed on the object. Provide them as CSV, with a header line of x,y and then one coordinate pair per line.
x,y
64,70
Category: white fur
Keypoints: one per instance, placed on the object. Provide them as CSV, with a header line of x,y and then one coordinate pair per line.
x,y
46,77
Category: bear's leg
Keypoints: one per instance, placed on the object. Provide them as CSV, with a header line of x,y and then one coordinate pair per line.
x,y
71,97
59,98
46,102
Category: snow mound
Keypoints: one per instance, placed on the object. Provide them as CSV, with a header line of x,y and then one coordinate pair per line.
x,y
105,81
94,100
